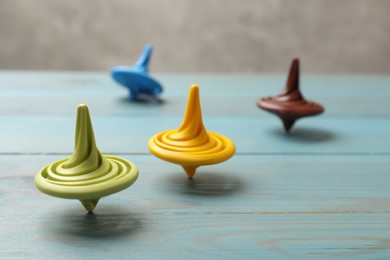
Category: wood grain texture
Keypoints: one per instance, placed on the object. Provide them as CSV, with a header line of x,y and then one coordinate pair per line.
x,y
268,206
57,94
115,134
319,192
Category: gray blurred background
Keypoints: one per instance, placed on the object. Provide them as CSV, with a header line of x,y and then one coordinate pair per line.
x,y
261,36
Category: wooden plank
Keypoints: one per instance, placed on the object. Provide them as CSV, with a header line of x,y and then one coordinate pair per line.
x,y
245,184
250,207
114,134
123,234
234,95
319,192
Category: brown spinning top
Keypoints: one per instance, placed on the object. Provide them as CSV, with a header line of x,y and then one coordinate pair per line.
x,y
290,105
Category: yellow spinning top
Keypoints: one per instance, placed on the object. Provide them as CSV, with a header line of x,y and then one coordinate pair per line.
x,y
191,145
87,175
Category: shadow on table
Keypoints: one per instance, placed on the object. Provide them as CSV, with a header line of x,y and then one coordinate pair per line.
x,y
110,225
143,100
304,134
204,184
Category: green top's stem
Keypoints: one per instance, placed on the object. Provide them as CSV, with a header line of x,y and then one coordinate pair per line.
x,y
86,156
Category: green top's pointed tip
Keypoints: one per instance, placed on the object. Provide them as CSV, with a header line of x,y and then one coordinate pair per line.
x,y
82,109
83,117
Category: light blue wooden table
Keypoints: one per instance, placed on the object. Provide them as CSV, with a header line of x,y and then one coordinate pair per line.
x,y
322,191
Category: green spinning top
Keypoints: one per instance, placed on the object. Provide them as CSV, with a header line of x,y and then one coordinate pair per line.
x,y
87,175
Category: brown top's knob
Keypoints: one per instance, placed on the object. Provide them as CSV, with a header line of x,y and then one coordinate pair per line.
x,y
290,105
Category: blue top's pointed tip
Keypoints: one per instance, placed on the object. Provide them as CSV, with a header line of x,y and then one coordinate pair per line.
x,y
143,60
147,50
149,46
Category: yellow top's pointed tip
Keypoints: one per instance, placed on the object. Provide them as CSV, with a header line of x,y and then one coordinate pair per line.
x,y
194,87
194,92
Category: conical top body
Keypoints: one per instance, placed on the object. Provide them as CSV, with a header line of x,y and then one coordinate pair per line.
x,y
136,78
191,145
191,131
86,156
290,104
86,175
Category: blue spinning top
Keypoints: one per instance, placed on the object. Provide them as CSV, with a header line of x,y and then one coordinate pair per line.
x,y
137,78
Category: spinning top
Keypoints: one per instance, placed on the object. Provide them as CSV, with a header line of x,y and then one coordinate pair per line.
x,y
191,145
290,105
87,175
137,78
